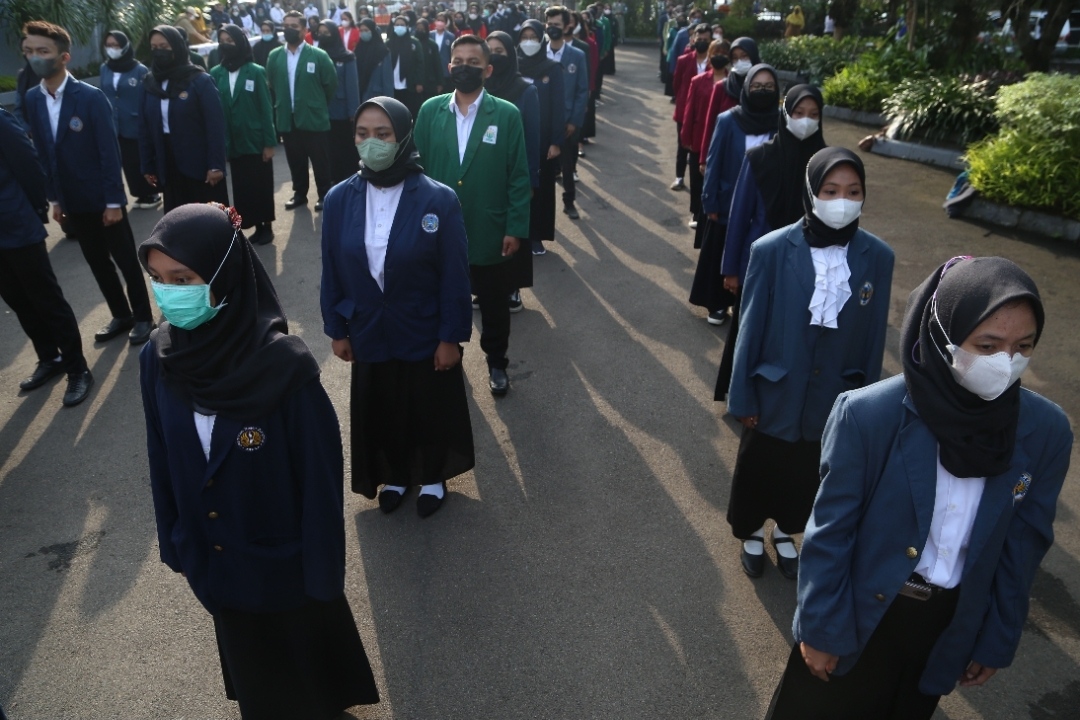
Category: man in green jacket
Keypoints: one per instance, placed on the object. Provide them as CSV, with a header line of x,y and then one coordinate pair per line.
x,y
474,143
304,82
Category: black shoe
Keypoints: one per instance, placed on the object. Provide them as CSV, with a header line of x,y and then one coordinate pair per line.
x,y
390,500
516,305
753,565
571,212
428,505
295,201
263,235
116,326
718,318
148,203
43,373
318,205
788,567
580,153
141,332
79,384
498,382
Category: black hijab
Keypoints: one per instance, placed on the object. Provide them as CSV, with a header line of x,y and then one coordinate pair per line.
x,y
178,71
975,437
233,60
127,60
335,46
369,53
539,65
260,52
242,363
407,160
733,84
401,48
505,82
757,122
779,165
817,233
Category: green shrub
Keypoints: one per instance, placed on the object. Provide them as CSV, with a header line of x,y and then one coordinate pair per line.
x,y
942,109
7,83
816,57
858,87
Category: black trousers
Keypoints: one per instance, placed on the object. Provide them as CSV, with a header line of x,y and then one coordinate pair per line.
x,y
342,148
181,190
129,158
29,287
491,286
682,155
301,147
102,247
253,189
542,209
568,163
884,683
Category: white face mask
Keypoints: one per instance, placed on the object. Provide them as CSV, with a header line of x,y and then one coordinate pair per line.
x,y
114,53
988,376
741,67
529,47
346,23
837,213
801,128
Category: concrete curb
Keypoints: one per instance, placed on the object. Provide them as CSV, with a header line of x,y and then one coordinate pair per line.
x,y
855,116
1051,226
942,157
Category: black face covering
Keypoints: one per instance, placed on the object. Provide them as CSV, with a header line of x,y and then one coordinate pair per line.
x,y
505,82
467,78
701,46
234,56
292,36
172,65
975,437
719,62
758,115
817,233
555,33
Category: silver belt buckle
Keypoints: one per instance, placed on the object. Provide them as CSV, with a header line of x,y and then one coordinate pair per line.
x,y
916,591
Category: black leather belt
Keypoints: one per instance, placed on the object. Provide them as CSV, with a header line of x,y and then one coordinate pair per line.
x,y
917,588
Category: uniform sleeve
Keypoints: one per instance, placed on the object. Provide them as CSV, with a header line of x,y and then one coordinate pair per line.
x,y
266,109
744,205
581,93
331,292
875,340
530,120
352,89
327,76
161,485
214,119
558,106
18,152
710,190
754,311
689,119
517,177
112,179
147,153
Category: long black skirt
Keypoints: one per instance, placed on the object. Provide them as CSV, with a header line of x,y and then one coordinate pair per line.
x,y
774,479
180,190
588,129
410,425
542,209
520,266
727,359
253,189
708,288
303,664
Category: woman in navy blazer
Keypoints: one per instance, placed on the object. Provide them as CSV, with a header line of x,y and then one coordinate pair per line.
x,y
396,304
813,318
343,107
246,470
121,81
937,502
374,71
182,128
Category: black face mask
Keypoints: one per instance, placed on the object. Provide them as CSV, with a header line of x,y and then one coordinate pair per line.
x,y
322,38
701,46
422,34
499,64
555,33
719,62
292,36
228,52
764,100
467,78
163,58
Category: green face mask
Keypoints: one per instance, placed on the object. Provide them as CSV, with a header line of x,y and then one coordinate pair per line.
x,y
188,306
377,154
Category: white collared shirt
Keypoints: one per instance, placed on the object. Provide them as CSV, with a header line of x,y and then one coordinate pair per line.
x,y
53,103
555,55
165,108
465,122
956,502
832,288
438,37
399,81
702,66
292,60
204,426
233,74
382,205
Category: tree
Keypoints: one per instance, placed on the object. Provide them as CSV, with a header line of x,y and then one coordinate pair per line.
x,y
843,14
1037,52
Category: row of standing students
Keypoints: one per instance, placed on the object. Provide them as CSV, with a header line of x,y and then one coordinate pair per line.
x,y
894,607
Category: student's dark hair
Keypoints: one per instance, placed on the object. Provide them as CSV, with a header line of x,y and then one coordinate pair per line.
x,y
702,28
55,33
558,10
267,24
296,14
473,40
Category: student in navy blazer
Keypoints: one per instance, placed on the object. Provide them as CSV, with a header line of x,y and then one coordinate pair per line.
x,y
396,303
443,39
343,107
182,128
576,85
121,81
374,71
936,507
72,124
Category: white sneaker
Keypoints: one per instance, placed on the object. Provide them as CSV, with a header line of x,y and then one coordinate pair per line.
x,y
576,178
692,224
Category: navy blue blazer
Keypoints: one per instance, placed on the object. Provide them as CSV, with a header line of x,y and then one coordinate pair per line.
x,y
552,97
22,187
879,470
347,96
444,51
787,371
747,222
196,130
727,150
426,276
576,83
381,81
124,98
260,526
528,104
83,161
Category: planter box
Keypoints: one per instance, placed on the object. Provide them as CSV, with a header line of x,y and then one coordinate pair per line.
x,y
1052,226
942,157
855,116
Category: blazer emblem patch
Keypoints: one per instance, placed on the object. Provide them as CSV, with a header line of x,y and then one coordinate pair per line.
x,y
251,438
133,82
183,95
866,293
1020,490
546,80
571,68
429,223
76,124
491,134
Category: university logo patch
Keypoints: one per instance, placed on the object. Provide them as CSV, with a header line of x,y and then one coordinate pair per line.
x,y
546,80
866,293
572,69
429,223
182,95
133,82
76,124
1020,490
251,438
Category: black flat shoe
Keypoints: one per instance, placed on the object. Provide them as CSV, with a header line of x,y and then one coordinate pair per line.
x,y
498,382
753,565
571,212
141,332
295,201
390,500
428,505
79,384
116,326
43,373
263,235
788,567
318,205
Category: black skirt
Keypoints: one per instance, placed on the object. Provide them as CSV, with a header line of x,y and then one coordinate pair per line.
x,y
521,266
253,189
303,664
708,288
410,425
774,479
542,207
727,359
179,189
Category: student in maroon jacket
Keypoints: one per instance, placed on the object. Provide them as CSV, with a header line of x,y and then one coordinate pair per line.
x,y
694,121
691,63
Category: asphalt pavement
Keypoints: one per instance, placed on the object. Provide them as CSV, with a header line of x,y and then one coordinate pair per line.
x,y
584,570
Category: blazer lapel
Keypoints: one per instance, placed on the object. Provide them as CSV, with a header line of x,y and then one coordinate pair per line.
x,y
67,108
403,217
857,261
997,496
919,450
484,115
800,262
225,433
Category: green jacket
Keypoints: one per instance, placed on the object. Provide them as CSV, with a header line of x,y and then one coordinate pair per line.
x,y
609,39
316,84
493,181
249,115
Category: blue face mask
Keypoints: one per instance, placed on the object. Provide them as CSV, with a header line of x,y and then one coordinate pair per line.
x,y
267,37
188,306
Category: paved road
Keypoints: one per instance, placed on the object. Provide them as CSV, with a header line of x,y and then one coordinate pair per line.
x,y
584,570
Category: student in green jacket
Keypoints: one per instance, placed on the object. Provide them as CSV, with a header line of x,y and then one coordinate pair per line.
x,y
304,82
249,131
490,174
